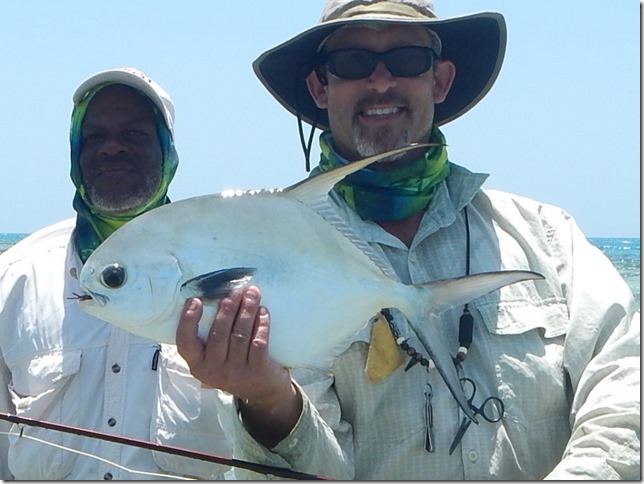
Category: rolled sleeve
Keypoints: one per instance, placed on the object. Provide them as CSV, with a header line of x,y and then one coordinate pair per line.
x,y
310,447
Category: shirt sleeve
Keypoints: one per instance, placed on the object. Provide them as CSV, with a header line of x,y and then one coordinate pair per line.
x,y
6,407
602,362
319,444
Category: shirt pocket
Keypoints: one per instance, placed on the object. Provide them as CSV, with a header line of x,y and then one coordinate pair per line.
x,y
525,347
37,390
396,402
186,416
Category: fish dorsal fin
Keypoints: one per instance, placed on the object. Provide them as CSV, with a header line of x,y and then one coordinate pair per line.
x,y
313,191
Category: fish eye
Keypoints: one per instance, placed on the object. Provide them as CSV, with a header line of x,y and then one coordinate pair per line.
x,y
113,276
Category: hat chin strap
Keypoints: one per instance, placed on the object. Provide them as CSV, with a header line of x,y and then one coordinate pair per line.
x,y
306,144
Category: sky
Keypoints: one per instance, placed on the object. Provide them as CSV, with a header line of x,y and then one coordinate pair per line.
x,y
561,124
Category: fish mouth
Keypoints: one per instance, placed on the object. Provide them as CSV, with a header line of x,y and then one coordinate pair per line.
x,y
89,298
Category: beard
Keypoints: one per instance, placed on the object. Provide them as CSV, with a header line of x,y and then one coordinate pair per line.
x,y
371,141
112,203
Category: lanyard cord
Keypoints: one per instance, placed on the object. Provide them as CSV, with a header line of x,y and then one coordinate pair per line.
x,y
465,324
466,321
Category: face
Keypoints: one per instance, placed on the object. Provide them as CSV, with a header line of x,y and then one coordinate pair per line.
x,y
380,112
121,156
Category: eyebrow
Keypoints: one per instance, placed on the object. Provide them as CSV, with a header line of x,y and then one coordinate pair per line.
x,y
133,118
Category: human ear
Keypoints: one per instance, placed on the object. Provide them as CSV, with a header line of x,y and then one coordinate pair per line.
x,y
317,90
444,73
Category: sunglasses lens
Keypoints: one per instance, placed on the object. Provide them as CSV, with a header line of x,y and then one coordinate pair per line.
x,y
351,63
407,61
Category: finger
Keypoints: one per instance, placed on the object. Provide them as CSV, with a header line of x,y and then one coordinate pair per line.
x,y
259,345
217,346
189,345
244,326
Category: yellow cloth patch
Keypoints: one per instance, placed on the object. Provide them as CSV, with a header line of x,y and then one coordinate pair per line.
x,y
384,355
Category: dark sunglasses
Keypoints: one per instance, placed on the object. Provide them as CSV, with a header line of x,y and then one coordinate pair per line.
x,y
408,61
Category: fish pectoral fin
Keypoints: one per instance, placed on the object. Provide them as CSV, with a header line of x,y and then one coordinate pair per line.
x,y
217,284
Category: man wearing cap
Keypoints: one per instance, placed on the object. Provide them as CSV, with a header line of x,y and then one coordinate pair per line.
x,y
551,367
61,365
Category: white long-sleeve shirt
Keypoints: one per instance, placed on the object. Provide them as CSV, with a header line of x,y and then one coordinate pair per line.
x,y
563,354
60,364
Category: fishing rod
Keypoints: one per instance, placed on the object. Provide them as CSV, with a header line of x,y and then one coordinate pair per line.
x,y
167,449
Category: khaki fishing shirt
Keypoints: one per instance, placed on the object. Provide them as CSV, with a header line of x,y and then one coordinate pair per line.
x,y
59,364
563,355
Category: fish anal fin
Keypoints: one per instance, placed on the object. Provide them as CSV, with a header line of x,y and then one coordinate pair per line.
x,y
448,293
217,284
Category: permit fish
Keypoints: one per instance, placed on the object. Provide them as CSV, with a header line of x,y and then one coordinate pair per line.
x,y
320,282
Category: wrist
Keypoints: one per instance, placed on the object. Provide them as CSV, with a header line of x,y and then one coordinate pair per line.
x,y
272,403
270,420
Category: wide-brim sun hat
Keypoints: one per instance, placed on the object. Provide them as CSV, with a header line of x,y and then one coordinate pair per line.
x,y
475,43
136,79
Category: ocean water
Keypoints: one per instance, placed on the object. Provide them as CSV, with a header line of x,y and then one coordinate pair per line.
x,y
7,240
624,253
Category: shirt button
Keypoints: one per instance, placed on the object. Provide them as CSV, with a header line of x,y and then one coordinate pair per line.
x,y
116,368
108,476
293,443
111,422
413,257
473,456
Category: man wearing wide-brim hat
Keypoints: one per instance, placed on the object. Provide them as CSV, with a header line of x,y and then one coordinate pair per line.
x,y
550,367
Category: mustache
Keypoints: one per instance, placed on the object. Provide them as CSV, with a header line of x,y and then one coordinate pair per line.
x,y
117,158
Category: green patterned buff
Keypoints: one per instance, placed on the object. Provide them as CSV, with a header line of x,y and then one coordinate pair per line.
x,y
389,195
92,228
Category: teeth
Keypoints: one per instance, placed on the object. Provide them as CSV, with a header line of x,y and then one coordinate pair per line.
x,y
380,111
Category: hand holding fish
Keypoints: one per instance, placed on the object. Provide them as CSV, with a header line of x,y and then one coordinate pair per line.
x,y
235,359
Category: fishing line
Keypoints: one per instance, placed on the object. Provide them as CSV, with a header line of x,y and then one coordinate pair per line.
x,y
96,457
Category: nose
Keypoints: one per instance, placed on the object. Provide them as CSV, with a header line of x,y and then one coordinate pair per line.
x,y
111,145
381,79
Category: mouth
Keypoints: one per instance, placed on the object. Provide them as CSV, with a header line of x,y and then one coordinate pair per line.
x,y
377,116
388,111
115,171
89,298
